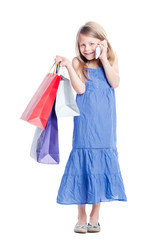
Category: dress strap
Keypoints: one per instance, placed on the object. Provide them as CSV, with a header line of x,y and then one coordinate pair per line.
x,y
78,59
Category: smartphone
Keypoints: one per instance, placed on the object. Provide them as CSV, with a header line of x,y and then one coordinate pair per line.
x,y
98,52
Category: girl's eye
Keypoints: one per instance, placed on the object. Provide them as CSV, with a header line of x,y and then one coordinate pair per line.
x,y
92,43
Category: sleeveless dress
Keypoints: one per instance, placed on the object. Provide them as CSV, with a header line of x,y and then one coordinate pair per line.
x,y
92,173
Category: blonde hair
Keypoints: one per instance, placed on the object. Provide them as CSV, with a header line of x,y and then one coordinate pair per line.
x,y
95,30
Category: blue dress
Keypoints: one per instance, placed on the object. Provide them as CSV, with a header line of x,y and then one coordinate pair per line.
x,y
92,173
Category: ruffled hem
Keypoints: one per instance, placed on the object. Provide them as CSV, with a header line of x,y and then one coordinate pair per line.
x,y
91,176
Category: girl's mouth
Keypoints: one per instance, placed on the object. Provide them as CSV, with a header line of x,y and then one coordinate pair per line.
x,y
89,53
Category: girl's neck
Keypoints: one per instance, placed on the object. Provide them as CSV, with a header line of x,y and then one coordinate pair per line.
x,y
94,63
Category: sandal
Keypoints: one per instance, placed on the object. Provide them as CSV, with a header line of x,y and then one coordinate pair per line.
x,y
80,228
93,227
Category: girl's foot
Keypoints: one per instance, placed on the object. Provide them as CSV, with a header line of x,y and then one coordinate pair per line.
x,y
93,227
80,228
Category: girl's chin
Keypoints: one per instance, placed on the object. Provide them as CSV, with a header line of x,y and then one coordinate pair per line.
x,y
89,57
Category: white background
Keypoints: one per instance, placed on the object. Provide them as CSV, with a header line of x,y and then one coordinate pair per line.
x,y
32,34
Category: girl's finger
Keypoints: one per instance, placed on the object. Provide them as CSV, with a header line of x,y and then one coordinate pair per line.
x,y
104,43
59,59
101,46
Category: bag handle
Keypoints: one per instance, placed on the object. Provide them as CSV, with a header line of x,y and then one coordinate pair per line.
x,y
58,67
55,68
63,76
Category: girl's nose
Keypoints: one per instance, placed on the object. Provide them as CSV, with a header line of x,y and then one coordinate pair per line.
x,y
87,48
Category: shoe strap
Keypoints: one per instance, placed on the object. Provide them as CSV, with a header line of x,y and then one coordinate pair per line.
x,y
81,226
93,225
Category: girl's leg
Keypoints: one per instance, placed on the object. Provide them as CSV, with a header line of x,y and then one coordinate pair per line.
x,y
94,215
82,216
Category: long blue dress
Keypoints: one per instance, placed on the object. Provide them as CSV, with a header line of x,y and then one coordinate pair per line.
x,y
92,173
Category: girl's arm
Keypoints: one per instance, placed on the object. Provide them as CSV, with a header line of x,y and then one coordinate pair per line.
x,y
76,82
112,72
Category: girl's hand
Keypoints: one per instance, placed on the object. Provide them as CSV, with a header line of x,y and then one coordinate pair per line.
x,y
64,61
104,46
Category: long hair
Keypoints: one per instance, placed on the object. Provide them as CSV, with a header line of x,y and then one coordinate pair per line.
x,y
95,30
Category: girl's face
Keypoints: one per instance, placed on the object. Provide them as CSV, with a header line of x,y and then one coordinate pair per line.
x,y
88,46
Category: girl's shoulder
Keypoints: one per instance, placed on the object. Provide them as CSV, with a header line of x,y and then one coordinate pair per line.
x,y
75,62
76,59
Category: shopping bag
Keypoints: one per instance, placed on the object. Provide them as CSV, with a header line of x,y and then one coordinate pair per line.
x,y
66,105
45,144
39,107
37,142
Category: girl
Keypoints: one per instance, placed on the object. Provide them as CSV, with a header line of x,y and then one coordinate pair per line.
x,y
92,174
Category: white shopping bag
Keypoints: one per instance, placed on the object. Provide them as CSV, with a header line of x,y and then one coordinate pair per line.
x,y
65,105
37,137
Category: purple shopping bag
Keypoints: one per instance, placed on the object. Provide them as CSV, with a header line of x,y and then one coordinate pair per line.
x,y
45,145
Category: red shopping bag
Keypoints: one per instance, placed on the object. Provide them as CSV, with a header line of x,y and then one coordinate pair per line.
x,y
39,108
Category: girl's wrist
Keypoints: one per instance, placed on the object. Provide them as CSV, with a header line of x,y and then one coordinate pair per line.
x,y
104,60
